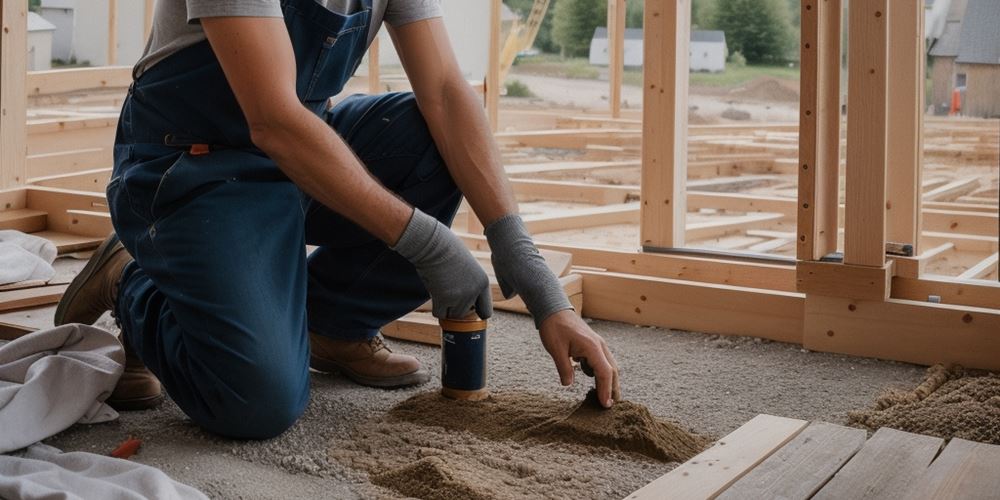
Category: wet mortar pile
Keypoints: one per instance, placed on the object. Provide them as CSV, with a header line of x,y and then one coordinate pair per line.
x,y
513,445
950,402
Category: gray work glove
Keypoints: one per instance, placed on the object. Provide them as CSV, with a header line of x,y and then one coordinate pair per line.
x,y
521,269
455,280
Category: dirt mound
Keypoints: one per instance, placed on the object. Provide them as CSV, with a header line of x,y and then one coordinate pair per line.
x,y
950,402
513,445
765,89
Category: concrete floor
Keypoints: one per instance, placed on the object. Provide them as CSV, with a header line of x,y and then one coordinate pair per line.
x,y
709,384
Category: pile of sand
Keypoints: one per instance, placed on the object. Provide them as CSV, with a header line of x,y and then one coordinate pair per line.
x,y
950,402
766,90
513,445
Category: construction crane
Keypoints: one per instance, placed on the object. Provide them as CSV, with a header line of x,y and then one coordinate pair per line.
x,y
522,36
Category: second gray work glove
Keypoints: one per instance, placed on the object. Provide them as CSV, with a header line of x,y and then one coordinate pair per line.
x,y
455,280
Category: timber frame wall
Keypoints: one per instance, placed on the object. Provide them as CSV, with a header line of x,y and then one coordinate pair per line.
x,y
862,304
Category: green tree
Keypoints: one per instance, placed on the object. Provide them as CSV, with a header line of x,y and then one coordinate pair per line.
x,y
574,23
759,29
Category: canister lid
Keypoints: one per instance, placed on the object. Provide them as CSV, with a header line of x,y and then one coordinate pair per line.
x,y
470,324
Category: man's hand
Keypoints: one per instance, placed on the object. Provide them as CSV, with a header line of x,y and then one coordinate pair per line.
x,y
566,336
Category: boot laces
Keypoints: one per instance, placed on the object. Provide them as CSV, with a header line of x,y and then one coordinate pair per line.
x,y
377,344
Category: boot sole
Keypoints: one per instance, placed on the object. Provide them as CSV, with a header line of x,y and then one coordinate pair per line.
x,y
100,258
410,379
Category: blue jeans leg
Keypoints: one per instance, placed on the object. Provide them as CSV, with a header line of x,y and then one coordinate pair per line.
x,y
356,283
215,301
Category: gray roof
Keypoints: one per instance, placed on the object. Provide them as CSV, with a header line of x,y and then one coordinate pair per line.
x,y
601,33
948,44
980,41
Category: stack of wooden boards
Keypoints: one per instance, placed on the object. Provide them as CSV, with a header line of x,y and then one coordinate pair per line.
x,y
421,326
775,457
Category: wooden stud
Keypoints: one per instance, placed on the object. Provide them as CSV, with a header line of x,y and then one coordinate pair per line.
x,y
819,124
61,81
13,110
864,236
112,32
718,467
905,131
492,81
667,26
845,280
147,25
801,467
887,465
616,54
374,70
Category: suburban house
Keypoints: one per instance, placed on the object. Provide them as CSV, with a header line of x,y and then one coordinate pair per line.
x,y
708,50
39,42
82,30
966,57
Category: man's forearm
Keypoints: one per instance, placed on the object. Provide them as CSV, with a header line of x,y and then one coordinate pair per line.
x,y
321,164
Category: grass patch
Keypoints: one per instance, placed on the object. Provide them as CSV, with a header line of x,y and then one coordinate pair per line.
x,y
517,88
738,75
554,66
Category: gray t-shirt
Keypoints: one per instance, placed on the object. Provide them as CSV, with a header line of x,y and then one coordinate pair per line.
x,y
176,26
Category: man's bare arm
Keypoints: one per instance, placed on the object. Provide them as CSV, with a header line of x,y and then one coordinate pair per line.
x,y
257,58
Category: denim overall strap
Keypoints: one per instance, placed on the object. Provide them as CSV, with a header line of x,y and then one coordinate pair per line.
x,y
186,99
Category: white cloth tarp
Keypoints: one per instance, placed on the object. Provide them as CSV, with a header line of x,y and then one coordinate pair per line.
x,y
43,472
25,257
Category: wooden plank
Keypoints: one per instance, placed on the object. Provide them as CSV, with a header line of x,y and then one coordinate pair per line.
x,y
577,167
112,33
953,221
739,202
905,128
69,243
31,297
95,180
24,220
578,192
716,228
13,109
666,37
572,285
616,54
718,467
949,291
885,467
819,125
801,467
559,220
147,21
492,80
419,327
845,280
374,70
965,469
984,268
902,330
45,165
60,81
89,223
699,307
864,228
952,190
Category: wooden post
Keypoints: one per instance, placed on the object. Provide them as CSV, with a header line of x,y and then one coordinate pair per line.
x,y
374,71
112,32
667,27
905,135
493,71
867,108
13,75
819,129
616,54
147,12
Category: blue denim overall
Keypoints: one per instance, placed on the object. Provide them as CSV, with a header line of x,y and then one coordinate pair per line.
x,y
221,295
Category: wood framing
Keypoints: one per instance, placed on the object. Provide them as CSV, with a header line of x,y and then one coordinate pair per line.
x,y
667,27
492,81
112,32
905,122
616,54
13,108
867,109
845,280
147,18
374,70
819,129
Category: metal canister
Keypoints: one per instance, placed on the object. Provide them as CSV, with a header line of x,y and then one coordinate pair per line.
x,y
463,359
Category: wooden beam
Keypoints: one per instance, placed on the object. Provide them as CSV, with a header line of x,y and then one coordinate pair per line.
x,y
560,220
416,326
46,165
729,459
716,228
686,305
492,81
905,128
24,220
95,180
13,110
667,25
983,269
902,330
374,70
616,54
31,297
112,33
579,192
147,18
864,228
948,291
61,81
845,280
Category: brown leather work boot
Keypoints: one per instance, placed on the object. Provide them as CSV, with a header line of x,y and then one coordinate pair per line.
x,y
366,362
93,292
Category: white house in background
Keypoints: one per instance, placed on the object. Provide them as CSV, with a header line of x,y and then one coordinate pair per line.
x,y
468,25
708,49
633,47
82,30
39,42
